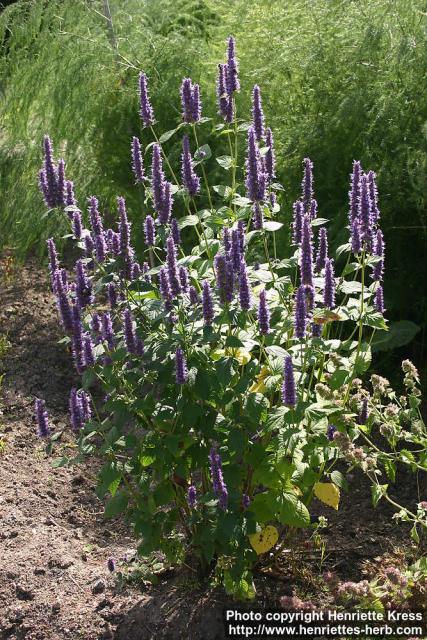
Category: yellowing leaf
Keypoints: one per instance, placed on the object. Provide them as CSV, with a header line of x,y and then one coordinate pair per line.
x,y
241,355
259,385
264,540
327,493
326,316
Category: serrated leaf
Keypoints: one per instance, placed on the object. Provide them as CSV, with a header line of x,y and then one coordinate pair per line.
x,y
188,221
378,491
272,225
226,162
222,190
202,154
328,493
264,540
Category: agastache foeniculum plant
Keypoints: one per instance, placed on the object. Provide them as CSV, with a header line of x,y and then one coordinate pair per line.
x,y
233,380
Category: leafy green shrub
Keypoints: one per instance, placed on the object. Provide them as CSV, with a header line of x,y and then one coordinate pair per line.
x,y
231,375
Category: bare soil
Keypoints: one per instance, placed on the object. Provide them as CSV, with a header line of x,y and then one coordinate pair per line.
x,y
54,582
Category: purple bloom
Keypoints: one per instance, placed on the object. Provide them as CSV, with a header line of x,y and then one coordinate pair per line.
x,y
145,108
226,239
88,353
233,83
84,292
224,101
379,300
164,285
263,314
257,216
365,212
49,176
297,223
190,179
379,252
270,159
309,298
241,235
354,193
356,240
255,176
183,279
100,248
322,252
175,231
95,217
77,340
53,257
329,290
289,395
257,113
218,484
112,295
44,188
173,273
137,162
300,312
124,228
70,199
362,418
181,371
63,303
85,405
246,501
77,224
313,209
136,271
306,253
330,432
133,343
245,295
42,419
373,194
207,304
235,253
160,187
192,497
194,296
107,331
190,100
224,277
75,406
145,270
95,323
89,246
316,330
149,231
61,183
307,184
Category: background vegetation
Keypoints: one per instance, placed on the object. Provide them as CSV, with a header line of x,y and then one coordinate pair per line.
x,y
341,79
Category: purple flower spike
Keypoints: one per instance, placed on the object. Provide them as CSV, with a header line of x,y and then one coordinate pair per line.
x,y
175,231
112,295
354,193
257,216
246,501
222,96
70,198
89,245
137,162
183,279
145,108
307,184
77,340
379,300
192,497
218,484
224,277
164,285
48,175
44,188
194,296
95,217
42,419
77,225
316,330
330,432
233,83
363,413
61,183
207,304
245,295
379,252
129,332
196,106
63,303
157,177
136,271
124,228
373,194
53,257
84,292
263,314
329,290
300,313
86,405
107,331
297,223
75,406
365,213
226,239
181,371
322,252
190,100
255,176
190,179
356,240
313,209
257,114
289,395
306,253
173,273
88,353
149,231
270,159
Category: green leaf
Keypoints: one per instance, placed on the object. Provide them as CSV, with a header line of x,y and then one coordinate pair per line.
x,y
414,534
226,162
115,505
362,359
317,222
378,492
202,154
263,507
256,407
351,287
292,511
344,248
60,462
338,479
168,134
399,334
188,221
272,225
222,190
276,419
241,201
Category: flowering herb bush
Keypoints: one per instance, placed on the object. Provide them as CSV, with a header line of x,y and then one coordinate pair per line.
x,y
226,384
